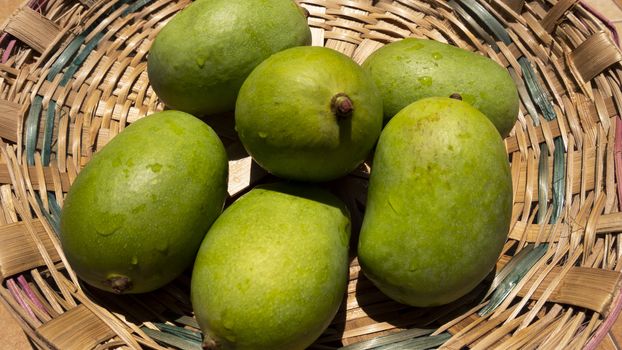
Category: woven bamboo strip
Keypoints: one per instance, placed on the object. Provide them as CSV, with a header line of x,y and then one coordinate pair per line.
x,y
48,293
474,330
584,60
32,28
93,330
10,113
508,301
18,181
542,328
496,335
543,270
578,342
18,252
24,294
586,287
103,315
39,343
38,298
604,223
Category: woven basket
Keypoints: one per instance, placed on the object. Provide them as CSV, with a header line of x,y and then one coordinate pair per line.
x,y
73,75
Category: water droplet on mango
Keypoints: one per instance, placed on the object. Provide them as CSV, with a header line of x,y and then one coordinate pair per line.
x,y
200,61
425,80
109,225
162,246
156,167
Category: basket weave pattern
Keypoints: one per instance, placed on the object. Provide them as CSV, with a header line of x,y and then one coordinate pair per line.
x,y
73,75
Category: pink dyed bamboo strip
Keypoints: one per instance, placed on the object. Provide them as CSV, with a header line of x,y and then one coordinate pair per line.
x,y
31,295
13,289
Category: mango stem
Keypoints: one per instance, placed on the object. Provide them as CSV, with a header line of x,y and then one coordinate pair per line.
x,y
119,284
456,96
341,105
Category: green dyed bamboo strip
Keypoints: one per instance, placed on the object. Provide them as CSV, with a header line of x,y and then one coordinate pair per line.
x,y
66,55
32,128
389,339
543,177
172,340
421,343
535,90
489,21
527,258
48,132
135,6
559,179
180,332
80,58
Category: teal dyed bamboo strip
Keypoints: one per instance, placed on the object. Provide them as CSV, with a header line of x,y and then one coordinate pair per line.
x,y
559,179
524,94
389,339
479,30
543,179
73,47
55,211
135,6
66,55
525,260
32,128
422,343
535,90
80,58
180,332
53,220
48,131
90,46
489,20
171,340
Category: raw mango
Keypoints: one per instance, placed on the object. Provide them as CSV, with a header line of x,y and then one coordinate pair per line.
x,y
199,60
439,203
137,212
411,69
272,270
308,114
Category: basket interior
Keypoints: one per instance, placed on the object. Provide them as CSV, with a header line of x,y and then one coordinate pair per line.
x,y
73,75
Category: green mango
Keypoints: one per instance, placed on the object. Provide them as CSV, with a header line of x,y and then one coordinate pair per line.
x,y
200,58
308,114
439,203
272,270
135,215
410,69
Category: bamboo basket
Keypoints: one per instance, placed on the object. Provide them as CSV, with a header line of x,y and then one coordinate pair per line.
x,y
73,75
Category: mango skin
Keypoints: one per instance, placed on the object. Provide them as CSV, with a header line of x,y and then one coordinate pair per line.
x,y
273,269
411,69
439,203
143,203
199,59
284,118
